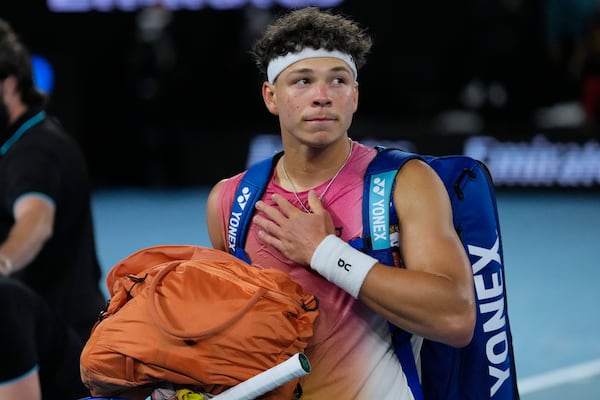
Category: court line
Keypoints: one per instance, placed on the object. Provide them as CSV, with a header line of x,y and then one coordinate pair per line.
x,y
559,377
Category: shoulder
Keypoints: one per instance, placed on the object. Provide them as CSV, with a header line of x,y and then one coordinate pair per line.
x,y
363,150
218,208
362,155
48,136
417,168
49,125
226,185
220,196
419,189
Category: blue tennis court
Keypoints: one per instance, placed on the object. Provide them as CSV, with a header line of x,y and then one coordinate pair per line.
x,y
551,242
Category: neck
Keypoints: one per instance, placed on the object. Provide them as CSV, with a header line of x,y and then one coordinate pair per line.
x,y
301,174
15,112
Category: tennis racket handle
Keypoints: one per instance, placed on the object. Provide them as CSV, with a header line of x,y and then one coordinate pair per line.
x,y
294,367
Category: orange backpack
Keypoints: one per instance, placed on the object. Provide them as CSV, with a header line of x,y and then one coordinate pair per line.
x,y
194,317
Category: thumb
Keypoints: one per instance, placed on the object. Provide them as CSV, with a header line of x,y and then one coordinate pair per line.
x,y
316,207
314,203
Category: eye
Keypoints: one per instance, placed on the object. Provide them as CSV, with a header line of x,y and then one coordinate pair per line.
x,y
302,81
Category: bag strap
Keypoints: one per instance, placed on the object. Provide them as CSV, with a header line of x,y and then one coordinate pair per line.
x,y
249,191
379,215
378,205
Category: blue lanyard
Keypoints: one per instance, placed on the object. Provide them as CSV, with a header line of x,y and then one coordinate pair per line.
x,y
28,124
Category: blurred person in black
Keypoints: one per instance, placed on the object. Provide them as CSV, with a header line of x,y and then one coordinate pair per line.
x,y
50,294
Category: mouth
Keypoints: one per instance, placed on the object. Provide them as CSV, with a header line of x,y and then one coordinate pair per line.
x,y
325,118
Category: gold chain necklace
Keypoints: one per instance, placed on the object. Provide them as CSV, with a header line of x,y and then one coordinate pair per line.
x,y
287,178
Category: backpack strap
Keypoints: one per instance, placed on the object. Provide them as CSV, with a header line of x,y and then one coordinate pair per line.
x,y
379,241
378,205
249,191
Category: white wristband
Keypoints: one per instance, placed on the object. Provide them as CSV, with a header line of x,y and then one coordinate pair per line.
x,y
8,266
342,264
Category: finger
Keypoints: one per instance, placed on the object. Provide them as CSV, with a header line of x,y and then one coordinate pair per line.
x,y
269,231
272,212
269,239
315,203
316,206
268,226
285,206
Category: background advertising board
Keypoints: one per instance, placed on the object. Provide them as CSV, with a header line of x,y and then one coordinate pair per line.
x,y
535,163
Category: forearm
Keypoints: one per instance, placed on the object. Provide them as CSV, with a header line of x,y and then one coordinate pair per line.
x,y
18,251
25,240
425,304
431,305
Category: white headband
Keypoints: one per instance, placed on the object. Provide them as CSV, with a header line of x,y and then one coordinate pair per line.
x,y
280,63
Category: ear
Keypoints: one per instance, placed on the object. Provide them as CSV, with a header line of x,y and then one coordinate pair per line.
x,y
355,92
9,86
270,98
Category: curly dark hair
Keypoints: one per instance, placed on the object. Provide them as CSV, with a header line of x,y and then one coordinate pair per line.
x,y
314,28
16,60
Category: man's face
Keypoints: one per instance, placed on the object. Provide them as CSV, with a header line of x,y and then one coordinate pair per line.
x,y
315,99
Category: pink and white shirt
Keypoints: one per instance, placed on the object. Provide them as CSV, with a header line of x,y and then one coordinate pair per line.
x,y
351,353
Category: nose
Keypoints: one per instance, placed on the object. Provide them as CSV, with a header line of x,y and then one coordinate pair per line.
x,y
322,97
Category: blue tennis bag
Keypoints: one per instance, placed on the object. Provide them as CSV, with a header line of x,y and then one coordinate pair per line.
x,y
484,369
